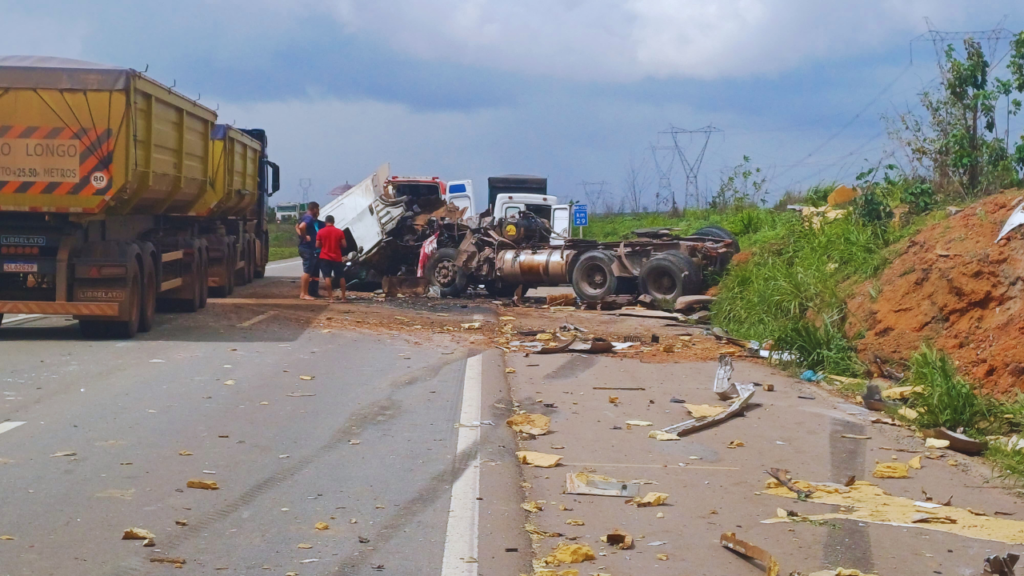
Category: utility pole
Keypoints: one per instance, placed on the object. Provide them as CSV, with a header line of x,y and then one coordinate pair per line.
x,y
305,184
940,39
594,193
691,168
664,172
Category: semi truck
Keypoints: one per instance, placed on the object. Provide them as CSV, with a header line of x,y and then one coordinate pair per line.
x,y
120,196
526,244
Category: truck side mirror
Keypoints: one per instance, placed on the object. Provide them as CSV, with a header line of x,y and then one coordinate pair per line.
x,y
275,178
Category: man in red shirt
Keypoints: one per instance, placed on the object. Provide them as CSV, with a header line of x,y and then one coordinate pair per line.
x,y
330,241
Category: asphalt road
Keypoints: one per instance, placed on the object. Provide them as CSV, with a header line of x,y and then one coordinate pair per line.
x,y
367,446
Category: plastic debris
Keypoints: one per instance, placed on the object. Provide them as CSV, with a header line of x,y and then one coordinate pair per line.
x,y
812,376
597,485
1016,219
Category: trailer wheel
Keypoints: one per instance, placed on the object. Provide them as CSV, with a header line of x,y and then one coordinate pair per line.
x,y
264,256
445,274
669,276
204,279
194,276
721,234
148,303
241,255
594,278
129,328
250,261
232,261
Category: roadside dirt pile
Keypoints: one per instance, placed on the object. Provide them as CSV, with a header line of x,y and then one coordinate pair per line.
x,y
956,288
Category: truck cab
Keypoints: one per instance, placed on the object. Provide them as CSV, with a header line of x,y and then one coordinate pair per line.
x,y
508,195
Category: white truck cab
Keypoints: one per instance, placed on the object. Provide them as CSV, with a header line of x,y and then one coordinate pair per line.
x,y
542,205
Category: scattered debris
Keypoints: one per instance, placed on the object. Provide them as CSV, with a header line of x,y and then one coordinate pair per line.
x,y
1002,565
662,436
538,459
730,541
782,477
472,326
633,389
322,526
1016,219
203,484
168,560
299,394
304,546
650,499
597,485
510,370
639,423
306,377
566,553
704,410
184,453
181,522
915,463
697,424
723,387
532,506
137,534
891,470
957,442
535,424
61,454
855,437
619,539
935,443
736,444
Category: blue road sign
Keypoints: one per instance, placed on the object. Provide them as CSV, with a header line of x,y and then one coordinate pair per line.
x,y
579,215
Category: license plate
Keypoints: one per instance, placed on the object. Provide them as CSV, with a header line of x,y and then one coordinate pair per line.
x,y
20,267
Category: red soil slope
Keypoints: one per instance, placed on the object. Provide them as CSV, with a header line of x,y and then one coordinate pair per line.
x,y
956,288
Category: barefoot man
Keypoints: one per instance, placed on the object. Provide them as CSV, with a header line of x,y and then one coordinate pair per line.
x,y
331,243
307,229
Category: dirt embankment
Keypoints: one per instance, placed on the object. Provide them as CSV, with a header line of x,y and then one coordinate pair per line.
x,y
956,288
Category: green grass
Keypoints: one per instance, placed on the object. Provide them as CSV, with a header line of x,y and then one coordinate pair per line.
x,y
283,242
946,399
793,290
752,226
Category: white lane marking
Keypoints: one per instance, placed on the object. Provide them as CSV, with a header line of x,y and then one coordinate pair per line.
x,y
284,263
460,541
259,318
20,319
8,426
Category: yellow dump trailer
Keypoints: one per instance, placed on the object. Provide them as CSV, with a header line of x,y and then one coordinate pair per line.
x,y
117,191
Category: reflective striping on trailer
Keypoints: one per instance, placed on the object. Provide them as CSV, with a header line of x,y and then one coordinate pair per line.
x,y
170,284
60,308
169,256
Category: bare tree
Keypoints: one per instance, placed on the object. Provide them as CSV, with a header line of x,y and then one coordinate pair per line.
x,y
637,181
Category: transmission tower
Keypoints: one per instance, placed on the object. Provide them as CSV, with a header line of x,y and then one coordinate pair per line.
x,y
305,184
664,171
691,168
940,39
594,192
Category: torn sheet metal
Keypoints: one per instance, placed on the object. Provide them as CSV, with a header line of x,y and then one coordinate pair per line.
x,y
725,389
730,541
1002,565
595,485
558,348
1016,219
595,346
957,442
690,426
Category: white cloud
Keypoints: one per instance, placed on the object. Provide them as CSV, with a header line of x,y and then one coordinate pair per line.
x,y
624,40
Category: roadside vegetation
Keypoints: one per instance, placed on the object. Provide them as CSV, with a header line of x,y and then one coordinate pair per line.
x,y
283,243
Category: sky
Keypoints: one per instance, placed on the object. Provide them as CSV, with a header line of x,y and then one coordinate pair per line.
x,y
574,90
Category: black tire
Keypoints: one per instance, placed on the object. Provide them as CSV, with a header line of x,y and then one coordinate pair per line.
x,y
669,276
204,282
250,261
443,273
127,329
499,289
721,234
232,260
148,304
264,255
93,329
192,276
241,253
593,278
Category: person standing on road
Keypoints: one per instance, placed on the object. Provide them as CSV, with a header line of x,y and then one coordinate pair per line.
x,y
307,230
331,242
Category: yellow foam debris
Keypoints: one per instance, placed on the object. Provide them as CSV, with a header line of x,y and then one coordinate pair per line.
x,y
566,553
532,506
704,410
538,459
891,470
651,499
866,502
908,413
842,194
663,436
536,424
915,463
900,392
